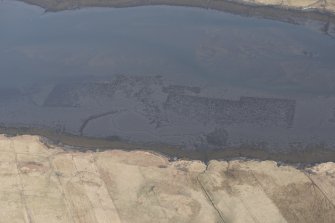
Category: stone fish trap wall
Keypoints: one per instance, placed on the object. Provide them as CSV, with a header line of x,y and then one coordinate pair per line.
x,y
262,111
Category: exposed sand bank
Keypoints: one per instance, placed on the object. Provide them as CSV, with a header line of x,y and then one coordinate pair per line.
x,y
41,184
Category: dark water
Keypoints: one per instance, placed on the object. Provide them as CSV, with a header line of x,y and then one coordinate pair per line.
x,y
196,78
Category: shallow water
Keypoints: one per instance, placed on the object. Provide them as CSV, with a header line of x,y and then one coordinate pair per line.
x,y
196,78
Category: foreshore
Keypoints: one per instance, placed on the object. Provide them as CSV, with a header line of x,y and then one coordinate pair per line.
x,y
312,155
49,183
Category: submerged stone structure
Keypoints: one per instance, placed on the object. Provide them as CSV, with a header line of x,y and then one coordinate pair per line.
x,y
259,111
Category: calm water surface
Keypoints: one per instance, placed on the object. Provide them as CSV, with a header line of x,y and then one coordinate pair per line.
x,y
195,78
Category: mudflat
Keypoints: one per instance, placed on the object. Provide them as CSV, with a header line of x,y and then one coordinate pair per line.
x,y
45,183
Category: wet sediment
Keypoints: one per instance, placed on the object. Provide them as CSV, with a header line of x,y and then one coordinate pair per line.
x,y
311,155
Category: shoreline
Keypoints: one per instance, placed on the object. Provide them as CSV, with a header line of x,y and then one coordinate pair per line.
x,y
284,13
78,143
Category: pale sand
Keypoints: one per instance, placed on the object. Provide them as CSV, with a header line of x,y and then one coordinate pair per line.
x,y
41,184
